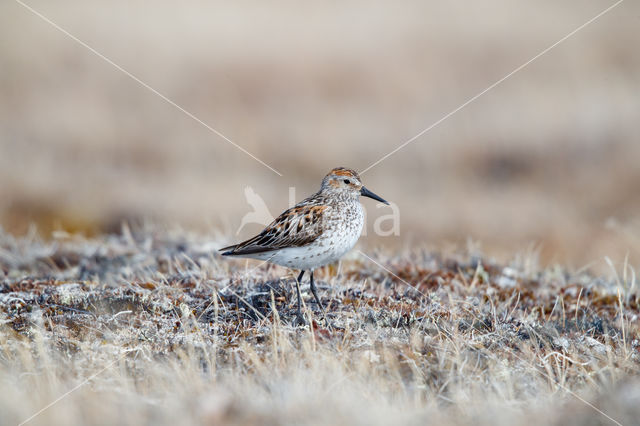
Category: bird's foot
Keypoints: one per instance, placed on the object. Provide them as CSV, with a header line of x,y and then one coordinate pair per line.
x,y
299,320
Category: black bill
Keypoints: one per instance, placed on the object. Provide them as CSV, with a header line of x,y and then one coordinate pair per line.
x,y
366,193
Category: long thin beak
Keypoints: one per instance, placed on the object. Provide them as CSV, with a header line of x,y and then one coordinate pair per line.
x,y
366,193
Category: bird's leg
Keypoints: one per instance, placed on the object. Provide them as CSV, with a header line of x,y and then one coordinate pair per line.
x,y
299,317
315,296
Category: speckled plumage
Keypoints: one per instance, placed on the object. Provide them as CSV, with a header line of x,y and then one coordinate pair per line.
x,y
317,231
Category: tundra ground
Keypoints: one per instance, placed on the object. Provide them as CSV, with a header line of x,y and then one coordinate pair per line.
x,y
155,327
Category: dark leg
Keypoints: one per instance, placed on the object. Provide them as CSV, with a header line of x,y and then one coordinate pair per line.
x,y
300,318
314,290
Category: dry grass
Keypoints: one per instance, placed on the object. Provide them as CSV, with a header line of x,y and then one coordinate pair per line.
x,y
168,332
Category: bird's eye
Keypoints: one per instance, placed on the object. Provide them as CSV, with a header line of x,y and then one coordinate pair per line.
x,y
347,181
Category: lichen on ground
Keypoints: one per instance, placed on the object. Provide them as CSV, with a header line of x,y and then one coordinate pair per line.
x,y
166,330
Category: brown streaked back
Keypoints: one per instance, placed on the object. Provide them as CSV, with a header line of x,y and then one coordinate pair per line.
x,y
296,227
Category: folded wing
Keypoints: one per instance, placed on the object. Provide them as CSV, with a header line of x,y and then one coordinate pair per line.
x,y
296,227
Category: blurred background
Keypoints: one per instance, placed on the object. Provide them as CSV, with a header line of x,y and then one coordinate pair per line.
x,y
547,160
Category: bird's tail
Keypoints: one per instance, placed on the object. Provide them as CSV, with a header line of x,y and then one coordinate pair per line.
x,y
227,251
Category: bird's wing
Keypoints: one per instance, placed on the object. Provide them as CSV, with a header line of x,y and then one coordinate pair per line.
x,y
296,227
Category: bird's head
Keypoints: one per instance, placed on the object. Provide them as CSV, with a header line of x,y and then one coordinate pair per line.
x,y
343,181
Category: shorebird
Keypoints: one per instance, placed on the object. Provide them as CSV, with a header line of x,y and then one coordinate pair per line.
x,y
317,231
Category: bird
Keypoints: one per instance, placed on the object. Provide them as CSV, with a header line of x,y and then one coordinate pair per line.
x,y
315,232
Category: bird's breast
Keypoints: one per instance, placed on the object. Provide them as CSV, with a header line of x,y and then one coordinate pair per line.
x,y
344,226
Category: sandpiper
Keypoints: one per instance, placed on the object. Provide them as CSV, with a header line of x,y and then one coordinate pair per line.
x,y
317,231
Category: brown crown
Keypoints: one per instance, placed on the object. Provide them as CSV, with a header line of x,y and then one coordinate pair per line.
x,y
343,171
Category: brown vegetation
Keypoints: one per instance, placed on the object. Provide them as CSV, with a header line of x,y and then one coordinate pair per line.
x,y
165,330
